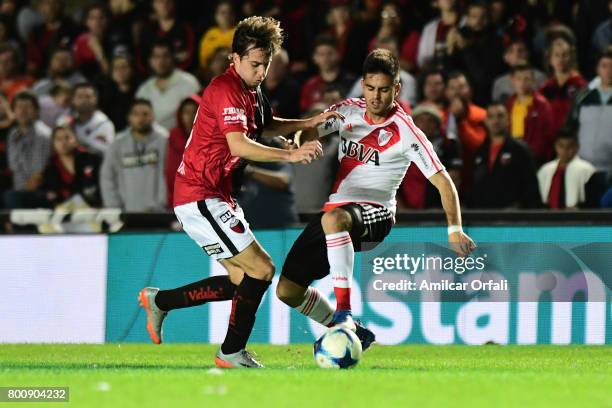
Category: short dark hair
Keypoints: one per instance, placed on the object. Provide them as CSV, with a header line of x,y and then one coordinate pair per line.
x,y
84,85
521,68
478,3
497,103
566,133
324,39
98,6
25,96
455,75
605,53
426,74
381,61
161,44
61,127
140,101
257,32
433,71
59,49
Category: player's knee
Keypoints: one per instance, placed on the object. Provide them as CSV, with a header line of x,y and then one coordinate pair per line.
x,y
286,292
336,220
262,268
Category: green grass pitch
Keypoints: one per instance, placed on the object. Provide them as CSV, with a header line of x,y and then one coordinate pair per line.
x,y
180,375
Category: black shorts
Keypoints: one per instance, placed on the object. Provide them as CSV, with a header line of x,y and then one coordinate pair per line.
x,y
307,259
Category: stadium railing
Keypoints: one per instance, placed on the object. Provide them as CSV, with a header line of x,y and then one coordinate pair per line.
x,y
113,220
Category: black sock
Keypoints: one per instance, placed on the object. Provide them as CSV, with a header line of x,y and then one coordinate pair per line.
x,y
211,289
244,307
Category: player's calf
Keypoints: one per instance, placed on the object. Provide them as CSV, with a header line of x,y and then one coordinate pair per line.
x,y
258,272
307,301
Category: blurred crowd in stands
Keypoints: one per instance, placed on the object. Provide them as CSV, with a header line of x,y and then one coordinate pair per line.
x,y
97,99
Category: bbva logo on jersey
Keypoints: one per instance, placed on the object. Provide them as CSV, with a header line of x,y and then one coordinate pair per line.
x,y
360,152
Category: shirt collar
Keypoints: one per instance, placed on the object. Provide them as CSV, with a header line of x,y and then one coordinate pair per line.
x,y
389,115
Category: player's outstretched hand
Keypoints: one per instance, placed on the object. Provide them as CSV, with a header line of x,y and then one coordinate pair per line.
x,y
324,117
461,243
307,152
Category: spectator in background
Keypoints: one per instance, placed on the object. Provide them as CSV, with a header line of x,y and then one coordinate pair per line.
x,y
267,196
531,114
7,31
117,90
70,171
504,174
433,86
409,50
331,96
217,64
167,28
55,104
168,85
327,60
467,117
220,35
390,26
516,53
61,69
602,37
589,15
591,115
352,34
408,93
179,135
93,48
476,50
432,44
340,25
416,191
6,121
128,18
56,31
93,128
280,88
565,82
311,196
568,181
11,82
26,18
28,148
132,174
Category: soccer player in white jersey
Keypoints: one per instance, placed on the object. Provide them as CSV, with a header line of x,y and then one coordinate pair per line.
x,y
378,141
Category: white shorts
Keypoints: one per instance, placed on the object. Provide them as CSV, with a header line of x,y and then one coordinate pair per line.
x,y
222,232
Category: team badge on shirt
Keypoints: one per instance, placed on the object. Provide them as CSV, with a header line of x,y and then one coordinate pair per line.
x,y
384,136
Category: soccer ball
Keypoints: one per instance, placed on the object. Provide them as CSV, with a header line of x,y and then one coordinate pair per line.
x,y
338,347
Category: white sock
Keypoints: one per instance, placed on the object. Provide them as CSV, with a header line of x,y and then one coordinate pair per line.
x,y
341,256
316,306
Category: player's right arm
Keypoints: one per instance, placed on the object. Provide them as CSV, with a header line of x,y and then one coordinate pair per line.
x,y
229,109
241,146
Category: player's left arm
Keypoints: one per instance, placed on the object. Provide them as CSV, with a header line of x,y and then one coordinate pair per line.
x,y
461,243
282,127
